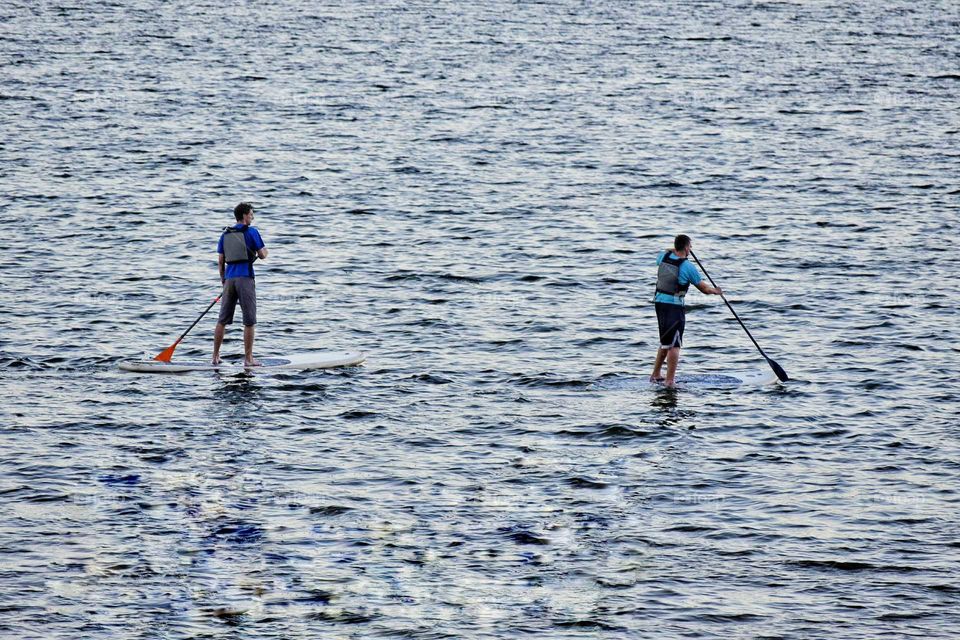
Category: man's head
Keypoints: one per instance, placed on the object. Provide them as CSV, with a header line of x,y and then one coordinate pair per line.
x,y
243,212
681,244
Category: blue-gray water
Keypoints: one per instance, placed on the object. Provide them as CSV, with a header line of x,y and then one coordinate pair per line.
x,y
473,194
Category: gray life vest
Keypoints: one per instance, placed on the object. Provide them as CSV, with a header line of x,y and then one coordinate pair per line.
x,y
668,276
235,249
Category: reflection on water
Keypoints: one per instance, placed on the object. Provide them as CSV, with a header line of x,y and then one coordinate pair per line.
x,y
664,398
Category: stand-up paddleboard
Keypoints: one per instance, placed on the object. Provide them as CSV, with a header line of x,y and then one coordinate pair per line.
x,y
693,381
747,378
300,361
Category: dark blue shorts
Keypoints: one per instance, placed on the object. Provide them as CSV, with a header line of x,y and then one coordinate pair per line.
x,y
671,319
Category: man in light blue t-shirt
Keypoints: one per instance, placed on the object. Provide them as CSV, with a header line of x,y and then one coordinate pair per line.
x,y
235,257
674,276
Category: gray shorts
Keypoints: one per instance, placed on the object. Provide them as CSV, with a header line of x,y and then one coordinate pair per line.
x,y
244,291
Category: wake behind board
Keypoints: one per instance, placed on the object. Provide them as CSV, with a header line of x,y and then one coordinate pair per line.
x,y
299,361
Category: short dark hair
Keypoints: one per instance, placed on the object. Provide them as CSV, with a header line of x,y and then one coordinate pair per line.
x,y
680,243
241,210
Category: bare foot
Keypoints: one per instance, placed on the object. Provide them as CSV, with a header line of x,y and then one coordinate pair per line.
x,y
670,384
655,379
252,362
215,361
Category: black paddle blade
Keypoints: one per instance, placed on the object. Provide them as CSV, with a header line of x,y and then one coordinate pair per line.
x,y
777,369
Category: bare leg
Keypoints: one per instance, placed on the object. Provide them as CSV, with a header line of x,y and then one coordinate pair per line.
x,y
657,364
217,341
248,347
673,357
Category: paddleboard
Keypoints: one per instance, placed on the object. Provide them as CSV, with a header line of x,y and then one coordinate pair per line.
x,y
299,361
693,381
746,378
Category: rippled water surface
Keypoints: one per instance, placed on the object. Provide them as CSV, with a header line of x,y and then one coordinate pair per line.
x,y
473,194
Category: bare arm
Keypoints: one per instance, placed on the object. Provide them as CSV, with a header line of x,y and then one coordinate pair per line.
x,y
707,289
262,253
222,265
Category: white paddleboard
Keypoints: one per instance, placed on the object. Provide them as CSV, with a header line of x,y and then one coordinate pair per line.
x,y
300,361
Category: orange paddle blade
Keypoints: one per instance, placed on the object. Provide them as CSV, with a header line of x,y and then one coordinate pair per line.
x,y
166,354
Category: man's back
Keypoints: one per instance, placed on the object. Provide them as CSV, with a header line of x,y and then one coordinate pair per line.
x,y
254,243
688,275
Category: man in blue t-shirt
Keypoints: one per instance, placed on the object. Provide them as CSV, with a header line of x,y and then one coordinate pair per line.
x,y
243,246
674,276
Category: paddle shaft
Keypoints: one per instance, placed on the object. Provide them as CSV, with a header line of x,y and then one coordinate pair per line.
x,y
728,305
206,311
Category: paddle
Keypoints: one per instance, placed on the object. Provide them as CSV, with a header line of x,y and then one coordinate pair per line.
x,y
166,354
777,369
